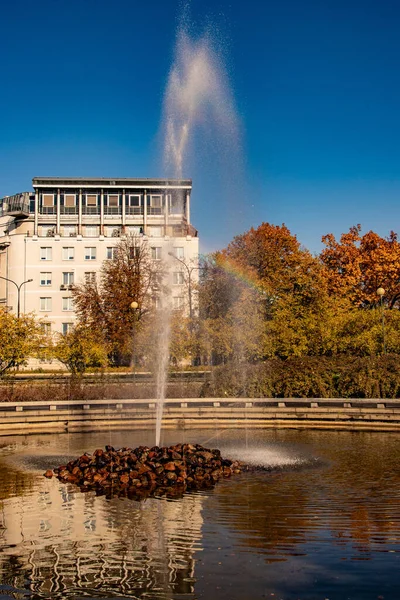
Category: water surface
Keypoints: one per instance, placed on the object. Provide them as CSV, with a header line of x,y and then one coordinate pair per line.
x,y
325,523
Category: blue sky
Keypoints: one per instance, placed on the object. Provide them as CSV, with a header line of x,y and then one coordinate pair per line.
x,y
316,87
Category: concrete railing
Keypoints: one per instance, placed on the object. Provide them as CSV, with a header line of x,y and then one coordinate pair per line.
x,y
201,413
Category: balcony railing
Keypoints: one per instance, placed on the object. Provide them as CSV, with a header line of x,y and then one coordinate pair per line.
x,y
134,210
90,210
15,209
112,210
176,210
48,210
68,210
155,210
17,205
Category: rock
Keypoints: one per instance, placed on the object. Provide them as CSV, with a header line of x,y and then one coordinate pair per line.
x,y
140,472
170,466
48,474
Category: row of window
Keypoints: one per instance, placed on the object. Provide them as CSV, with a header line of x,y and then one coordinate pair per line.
x,y
94,231
68,306
178,303
66,328
90,253
68,278
154,200
45,304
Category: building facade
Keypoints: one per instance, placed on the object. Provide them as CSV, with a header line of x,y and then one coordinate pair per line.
x,y
60,234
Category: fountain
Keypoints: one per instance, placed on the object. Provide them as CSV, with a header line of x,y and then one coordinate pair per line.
x,y
197,98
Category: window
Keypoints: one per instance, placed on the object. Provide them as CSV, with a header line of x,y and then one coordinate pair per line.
x,y
179,252
48,230
113,199
69,230
66,328
48,199
176,204
113,231
68,253
178,278
90,253
111,252
46,253
91,231
68,278
91,199
69,200
45,278
156,302
134,252
46,328
134,200
45,303
90,276
154,231
67,304
155,201
156,252
134,230
177,302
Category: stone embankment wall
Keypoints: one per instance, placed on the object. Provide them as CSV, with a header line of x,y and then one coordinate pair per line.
x,y
200,413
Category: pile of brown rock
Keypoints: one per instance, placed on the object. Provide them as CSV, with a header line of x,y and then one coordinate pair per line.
x,y
141,472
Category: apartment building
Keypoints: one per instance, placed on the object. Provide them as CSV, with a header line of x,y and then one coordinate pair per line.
x,y
60,233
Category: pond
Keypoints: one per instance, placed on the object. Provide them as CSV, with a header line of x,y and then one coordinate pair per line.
x,y
323,524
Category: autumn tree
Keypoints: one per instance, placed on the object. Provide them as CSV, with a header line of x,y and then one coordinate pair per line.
x,y
272,258
263,275
105,304
231,311
80,349
357,265
20,339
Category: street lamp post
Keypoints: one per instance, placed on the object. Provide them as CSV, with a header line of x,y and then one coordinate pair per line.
x,y
381,292
134,306
18,290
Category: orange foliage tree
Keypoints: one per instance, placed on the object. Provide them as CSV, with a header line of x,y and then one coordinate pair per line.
x,y
357,265
272,256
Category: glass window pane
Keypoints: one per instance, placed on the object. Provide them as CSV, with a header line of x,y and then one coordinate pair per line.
x,y
69,200
155,201
91,199
90,253
134,200
113,200
48,199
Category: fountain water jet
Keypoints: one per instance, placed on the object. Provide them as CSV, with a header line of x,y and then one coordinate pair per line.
x,y
197,98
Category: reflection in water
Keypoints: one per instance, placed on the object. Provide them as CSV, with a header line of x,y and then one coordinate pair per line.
x,y
63,541
326,529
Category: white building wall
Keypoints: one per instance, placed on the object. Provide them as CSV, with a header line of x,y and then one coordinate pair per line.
x,y
21,258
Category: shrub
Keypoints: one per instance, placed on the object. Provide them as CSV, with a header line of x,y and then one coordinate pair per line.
x,y
308,377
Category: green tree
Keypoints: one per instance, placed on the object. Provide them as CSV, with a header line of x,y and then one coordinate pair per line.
x,y
20,339
80,349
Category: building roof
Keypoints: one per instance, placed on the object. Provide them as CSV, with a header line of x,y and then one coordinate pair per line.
x,y
110,181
